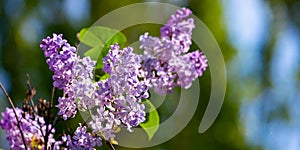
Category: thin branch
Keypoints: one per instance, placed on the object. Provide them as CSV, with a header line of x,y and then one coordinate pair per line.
x,y
111,145
14,110
48,117
54,122
31,90
47,125
52,96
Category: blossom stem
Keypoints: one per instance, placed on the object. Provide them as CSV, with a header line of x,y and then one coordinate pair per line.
x,y
54,122
52,97
14,110
48,118
29,94
30,89
111,145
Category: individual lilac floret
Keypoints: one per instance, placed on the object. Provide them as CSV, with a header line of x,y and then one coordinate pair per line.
x,y
81,139
33,128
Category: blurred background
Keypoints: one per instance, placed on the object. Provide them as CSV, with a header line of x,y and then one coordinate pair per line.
x,y
258,38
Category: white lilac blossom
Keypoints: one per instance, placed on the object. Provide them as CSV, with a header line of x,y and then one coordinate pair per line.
x,y
165,62
81,139
33,128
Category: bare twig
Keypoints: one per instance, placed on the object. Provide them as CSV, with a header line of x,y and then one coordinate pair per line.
x,y
111,145
14,110
49,116
47,125
31,91
52,96
54,122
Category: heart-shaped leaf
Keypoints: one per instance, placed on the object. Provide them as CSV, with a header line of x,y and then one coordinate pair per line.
x,y
99,39
152,120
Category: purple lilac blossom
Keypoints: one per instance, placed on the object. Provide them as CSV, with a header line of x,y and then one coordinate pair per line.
x,y
81,139
117,100
33,128
104,123
60,58
120,95
165,62
159,73
179,30
82,86
199,61
72,74
127,88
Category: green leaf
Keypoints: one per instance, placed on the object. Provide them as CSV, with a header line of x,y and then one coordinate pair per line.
x,y
105,76
94,52
89,38
108,35
152,122
99,39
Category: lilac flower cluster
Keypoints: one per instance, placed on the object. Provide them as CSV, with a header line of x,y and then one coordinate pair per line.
x,y
33,128
82,86
114,101
120,95
81,139
165,61
71,74
117,100
61,59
